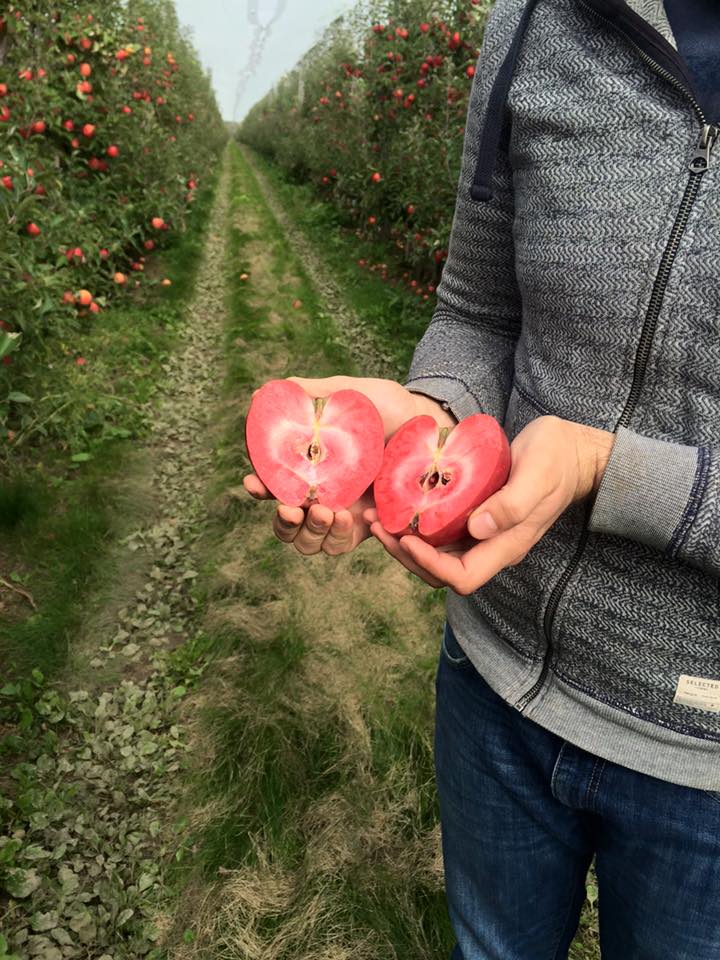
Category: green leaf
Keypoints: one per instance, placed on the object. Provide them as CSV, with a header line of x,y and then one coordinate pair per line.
x,y
21,883
146,881
42,922
81,457
69,881
591,891
19,397
8,851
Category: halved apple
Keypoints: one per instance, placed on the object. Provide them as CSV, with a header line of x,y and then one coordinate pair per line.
x,y
307,450
432,478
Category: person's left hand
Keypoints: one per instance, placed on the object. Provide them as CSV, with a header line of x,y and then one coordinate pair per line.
x,y
555,462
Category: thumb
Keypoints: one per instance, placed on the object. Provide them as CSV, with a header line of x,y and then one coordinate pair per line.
x,y
507,507
322,387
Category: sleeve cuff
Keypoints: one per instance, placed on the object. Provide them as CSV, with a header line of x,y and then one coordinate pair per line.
x,y
452,394
650,491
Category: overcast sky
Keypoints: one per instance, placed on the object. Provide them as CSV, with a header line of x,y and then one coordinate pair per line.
x,y
223,34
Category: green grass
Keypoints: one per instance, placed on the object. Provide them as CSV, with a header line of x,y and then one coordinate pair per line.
x,y
59,514
397,317
313,339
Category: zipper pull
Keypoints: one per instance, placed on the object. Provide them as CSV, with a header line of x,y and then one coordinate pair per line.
x,y
708,137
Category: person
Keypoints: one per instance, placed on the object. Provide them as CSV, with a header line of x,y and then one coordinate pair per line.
x,y
578,687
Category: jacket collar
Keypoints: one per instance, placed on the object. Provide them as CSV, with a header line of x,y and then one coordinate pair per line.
x,y
646,24
653,11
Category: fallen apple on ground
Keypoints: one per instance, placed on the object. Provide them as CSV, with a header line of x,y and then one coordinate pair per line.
x,y
432,478
326,450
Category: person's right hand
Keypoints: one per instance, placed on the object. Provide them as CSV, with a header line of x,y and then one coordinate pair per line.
x,y
317,529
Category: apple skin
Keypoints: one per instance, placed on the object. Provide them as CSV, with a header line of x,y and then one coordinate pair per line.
x,y
432,479
305,450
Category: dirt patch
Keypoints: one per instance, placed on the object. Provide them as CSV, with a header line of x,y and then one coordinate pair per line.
x,y
353,331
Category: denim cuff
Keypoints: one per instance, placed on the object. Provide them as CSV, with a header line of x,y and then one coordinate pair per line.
x,y
649,491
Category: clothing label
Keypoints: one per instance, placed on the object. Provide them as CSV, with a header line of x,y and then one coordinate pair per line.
x,y
698,692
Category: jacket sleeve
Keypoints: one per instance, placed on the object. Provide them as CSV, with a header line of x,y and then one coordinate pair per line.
x,y
665,495
466,357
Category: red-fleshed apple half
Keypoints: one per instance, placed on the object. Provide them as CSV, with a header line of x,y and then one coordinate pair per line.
x,y
432,478
325,450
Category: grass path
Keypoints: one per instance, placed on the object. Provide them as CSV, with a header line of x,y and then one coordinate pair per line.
x,y
237,764
313,813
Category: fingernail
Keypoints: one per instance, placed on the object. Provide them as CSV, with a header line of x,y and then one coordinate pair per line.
x,y
482,525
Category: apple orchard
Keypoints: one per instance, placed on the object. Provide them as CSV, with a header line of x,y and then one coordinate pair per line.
x,y
107,124
374,116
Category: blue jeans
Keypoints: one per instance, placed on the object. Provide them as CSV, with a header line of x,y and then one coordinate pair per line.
x,y
522,814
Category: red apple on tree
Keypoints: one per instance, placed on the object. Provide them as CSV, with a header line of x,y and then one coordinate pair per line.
x,y
326,450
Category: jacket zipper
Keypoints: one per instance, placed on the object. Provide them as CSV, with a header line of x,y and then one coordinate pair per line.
x,y
698,166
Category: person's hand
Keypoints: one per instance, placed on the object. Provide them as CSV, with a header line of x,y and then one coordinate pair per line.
x,y
555,462
317,529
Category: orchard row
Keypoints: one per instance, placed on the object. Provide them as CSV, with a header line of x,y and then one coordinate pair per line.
x,y
374,116
107,123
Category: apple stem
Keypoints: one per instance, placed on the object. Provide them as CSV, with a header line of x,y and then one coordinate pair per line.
x,y
444,431
319,404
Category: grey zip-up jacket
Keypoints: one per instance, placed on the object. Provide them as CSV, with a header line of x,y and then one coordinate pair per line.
x,y
583,281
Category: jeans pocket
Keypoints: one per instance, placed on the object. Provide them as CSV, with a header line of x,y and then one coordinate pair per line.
x,y
451,649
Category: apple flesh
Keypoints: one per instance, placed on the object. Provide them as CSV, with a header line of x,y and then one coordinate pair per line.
x,y
432,478
325,450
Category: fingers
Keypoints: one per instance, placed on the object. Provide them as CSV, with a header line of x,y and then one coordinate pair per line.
x,y
341,536
256,488
396,548
318,530
466,572
318,521
288,522
446,568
